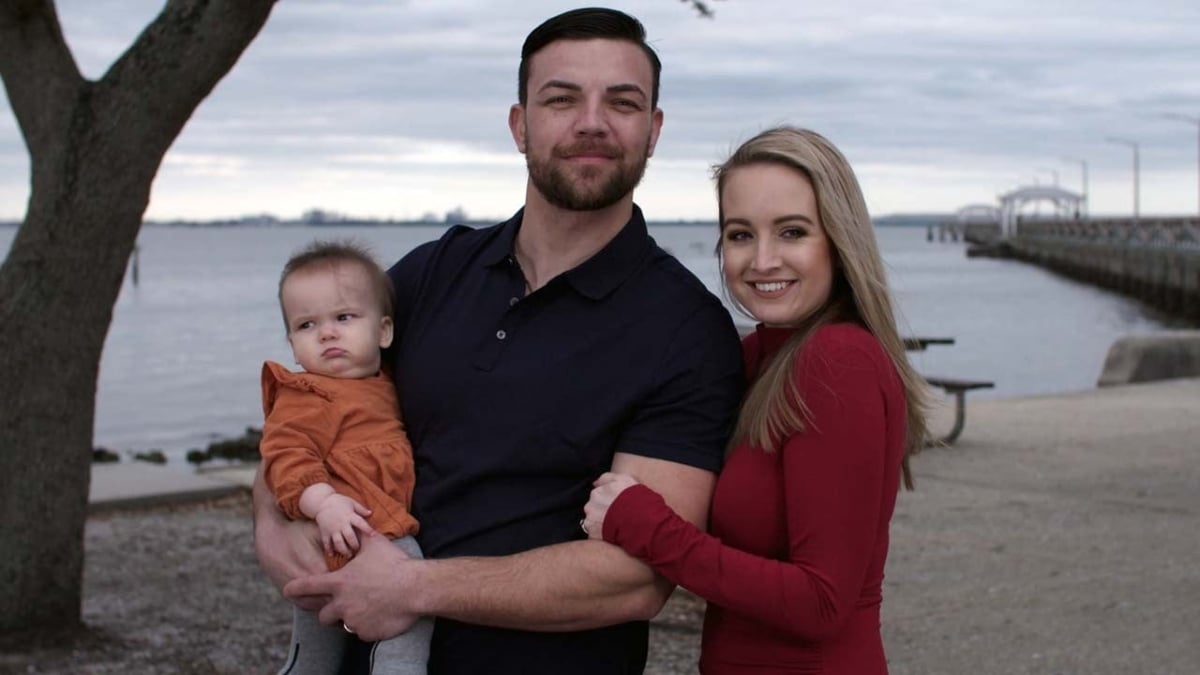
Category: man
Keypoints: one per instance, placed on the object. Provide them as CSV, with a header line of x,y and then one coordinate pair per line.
x,y
531,357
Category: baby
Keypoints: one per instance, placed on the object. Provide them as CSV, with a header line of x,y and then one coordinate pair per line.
x,y
333,449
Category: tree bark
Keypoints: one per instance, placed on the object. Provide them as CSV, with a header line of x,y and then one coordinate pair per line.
x,y
95,147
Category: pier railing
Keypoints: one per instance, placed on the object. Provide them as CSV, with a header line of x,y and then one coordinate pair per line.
x,y
1154,259
1151,232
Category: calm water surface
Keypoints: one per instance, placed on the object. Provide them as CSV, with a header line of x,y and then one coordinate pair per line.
x,y
182,360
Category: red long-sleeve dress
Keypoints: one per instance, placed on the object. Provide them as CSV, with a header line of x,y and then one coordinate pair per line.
x,y
792,567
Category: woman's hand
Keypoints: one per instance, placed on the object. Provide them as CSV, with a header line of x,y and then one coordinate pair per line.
x,y
605,492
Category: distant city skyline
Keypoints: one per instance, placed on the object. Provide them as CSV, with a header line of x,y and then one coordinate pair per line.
x,y
398,110
317,217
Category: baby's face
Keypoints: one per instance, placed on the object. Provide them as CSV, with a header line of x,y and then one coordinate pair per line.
x,y
335,324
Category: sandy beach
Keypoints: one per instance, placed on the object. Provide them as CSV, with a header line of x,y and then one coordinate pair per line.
x,y
1057,536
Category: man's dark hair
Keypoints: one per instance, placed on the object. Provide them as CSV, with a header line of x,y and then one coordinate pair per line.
x,y
587,23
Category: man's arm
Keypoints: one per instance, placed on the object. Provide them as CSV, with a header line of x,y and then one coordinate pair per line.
x,y
571,586
286,549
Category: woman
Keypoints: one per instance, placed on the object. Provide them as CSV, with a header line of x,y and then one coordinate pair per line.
x,y
793,565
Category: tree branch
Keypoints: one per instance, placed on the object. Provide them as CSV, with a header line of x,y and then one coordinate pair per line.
x,y
40,75
177,61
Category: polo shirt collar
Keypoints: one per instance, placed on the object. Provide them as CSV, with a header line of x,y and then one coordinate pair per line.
x,y
595,277
503,242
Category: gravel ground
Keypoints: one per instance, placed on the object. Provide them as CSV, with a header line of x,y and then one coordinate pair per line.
x,y
176,590
1058,536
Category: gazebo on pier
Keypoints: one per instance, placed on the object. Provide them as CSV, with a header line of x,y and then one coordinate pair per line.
x,y
1066,205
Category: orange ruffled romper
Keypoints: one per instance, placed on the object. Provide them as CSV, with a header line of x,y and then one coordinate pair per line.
x,y
345,432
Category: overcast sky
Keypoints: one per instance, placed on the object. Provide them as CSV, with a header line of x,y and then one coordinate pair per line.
x,y
392,108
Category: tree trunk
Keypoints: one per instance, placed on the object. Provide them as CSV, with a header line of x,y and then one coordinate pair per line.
x,y
95,148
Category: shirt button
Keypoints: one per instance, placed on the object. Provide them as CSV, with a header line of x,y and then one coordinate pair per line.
x,y
513,300
500,335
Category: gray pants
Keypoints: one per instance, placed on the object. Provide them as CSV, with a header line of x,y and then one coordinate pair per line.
x,y
318,650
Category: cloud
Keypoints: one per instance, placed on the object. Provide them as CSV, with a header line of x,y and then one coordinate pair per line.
x,y
938,103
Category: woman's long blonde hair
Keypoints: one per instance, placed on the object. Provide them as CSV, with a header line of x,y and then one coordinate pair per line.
x,y
773,407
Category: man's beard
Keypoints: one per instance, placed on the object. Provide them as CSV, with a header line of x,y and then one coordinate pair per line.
x,y
557,187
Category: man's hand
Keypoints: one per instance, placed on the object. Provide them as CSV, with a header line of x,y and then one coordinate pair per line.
x,y
366,595
286,549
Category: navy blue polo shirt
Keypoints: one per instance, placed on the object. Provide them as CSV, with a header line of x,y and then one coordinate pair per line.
x,y
515,404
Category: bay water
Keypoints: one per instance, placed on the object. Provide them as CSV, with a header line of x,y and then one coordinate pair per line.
x,y
182,359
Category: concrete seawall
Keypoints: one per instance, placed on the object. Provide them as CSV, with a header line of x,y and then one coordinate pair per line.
x,y
1148,358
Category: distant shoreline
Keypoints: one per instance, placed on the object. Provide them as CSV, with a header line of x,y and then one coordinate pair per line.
x,y
914,220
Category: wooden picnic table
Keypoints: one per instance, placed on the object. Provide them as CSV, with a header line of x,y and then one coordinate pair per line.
x,y
955,387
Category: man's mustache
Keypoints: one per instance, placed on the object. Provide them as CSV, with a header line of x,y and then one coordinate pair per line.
x,y
589,148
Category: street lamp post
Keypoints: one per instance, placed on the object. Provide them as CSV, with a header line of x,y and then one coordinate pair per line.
x,y
1196,121
1057,206
1084,166
1053,172
1136,174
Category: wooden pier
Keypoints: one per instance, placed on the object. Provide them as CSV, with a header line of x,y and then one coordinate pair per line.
x,y
1156,260
943,231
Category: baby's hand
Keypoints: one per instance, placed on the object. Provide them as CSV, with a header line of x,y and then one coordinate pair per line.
x,y
338,518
